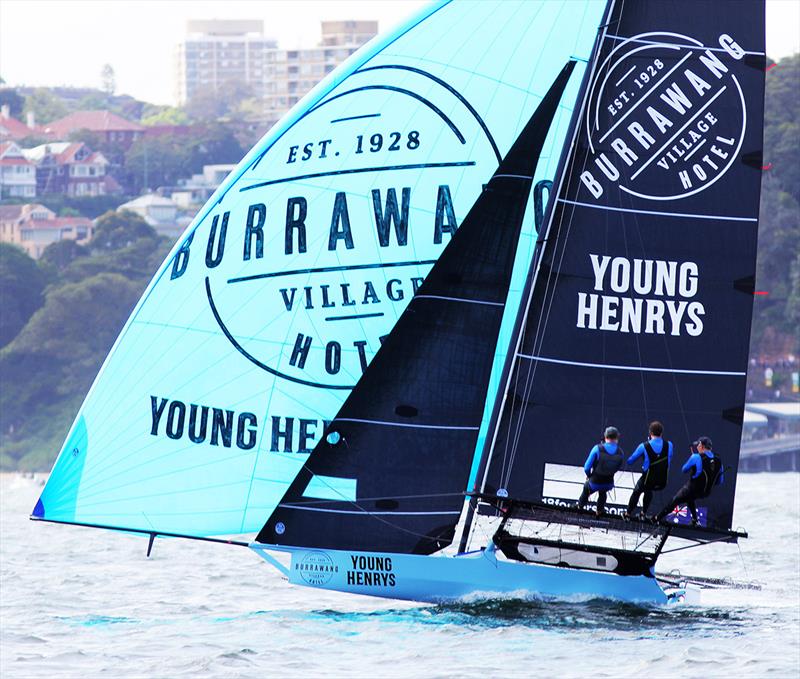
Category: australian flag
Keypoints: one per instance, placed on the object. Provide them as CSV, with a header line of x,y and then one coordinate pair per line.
x,y
683,517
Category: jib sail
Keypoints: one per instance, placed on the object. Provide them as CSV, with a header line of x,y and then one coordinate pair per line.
x,y
390,474
640,305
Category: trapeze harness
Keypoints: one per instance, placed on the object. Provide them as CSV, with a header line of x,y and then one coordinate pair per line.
x,y
655,478
606,466
702,484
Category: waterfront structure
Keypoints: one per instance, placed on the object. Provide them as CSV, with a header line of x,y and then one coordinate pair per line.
x,y
71,168
17,173
196,190
33,227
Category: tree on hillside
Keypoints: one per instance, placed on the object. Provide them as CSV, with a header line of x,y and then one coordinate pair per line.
x,y
59,255
108,79
782,123
21,287
49,367
117,230
153,162
45,105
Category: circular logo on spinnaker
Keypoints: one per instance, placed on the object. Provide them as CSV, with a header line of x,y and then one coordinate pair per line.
x,y
666,117
313,255
316,568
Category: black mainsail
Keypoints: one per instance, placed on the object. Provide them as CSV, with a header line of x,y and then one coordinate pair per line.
x,y
389,475
640,306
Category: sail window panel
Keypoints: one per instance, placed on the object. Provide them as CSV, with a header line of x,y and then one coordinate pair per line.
x,y
331,488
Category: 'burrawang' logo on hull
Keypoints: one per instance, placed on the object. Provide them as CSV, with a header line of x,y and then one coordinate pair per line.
x,y
666,117
316,568
312,256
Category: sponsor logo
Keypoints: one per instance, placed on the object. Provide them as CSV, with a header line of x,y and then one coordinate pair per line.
x,y
371,571
316,568
311,257
654,297
666,117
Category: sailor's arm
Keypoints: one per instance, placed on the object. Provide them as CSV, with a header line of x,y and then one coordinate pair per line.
x,y
636,454
594,453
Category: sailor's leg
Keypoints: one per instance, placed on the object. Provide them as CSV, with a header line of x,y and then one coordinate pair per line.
x,y
585,493
648,498
679,498
637,491
692,508
601,501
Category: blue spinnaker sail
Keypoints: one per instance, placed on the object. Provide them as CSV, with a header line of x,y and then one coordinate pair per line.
x,y
273,302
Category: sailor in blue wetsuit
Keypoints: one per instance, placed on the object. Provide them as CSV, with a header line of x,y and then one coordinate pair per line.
x,y
604,460
657,457
706,472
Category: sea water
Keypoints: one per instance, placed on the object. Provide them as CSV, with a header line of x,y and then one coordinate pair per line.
x,y
78,602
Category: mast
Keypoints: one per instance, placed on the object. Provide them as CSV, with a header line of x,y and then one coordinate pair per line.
x,y
522,313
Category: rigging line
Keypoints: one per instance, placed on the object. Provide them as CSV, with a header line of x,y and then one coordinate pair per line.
x,y
576,121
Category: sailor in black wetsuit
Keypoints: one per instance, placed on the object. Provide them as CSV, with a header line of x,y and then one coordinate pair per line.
x,y
706,470
657,457
604,460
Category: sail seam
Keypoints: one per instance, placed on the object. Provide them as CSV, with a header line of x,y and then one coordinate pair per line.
x,y
405,424
459,299
688,215
512,176
661,43
610,366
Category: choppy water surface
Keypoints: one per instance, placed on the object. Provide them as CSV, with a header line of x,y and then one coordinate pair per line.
x,y
86,603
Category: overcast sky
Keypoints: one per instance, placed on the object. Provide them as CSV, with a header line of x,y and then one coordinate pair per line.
x,y
66,42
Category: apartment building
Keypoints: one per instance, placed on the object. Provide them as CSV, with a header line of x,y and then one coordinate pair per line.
x,y
219,51
216,52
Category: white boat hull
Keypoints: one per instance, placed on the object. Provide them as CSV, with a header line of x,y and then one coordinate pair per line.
x,y
441,579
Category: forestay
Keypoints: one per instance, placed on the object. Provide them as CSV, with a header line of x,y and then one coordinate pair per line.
x,y
264,316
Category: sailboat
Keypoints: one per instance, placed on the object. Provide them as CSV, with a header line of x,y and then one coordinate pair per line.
x,y
450,425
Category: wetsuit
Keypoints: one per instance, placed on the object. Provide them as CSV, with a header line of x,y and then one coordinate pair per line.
x,y
655,468
604,460
706,472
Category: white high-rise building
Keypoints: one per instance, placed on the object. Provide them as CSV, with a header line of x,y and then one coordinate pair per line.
x,y
220,51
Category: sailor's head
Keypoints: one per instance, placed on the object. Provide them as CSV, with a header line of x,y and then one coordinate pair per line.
x,y
702,444
611,434
656,429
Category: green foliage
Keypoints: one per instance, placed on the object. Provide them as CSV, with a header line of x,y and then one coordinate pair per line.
x,y
163,115
45,105
86,206
782,123
21,287
118,230
53,360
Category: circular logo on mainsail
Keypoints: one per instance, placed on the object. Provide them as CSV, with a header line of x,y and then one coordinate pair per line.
x,y
665,118
313,255
316,568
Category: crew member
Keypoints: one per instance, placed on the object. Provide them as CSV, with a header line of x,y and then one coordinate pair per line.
x,y
604,460
706,472
657,457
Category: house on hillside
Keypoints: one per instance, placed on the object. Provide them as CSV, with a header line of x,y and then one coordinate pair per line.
x,y
12,129
109,126
72,169
17,173
160,213
33,227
